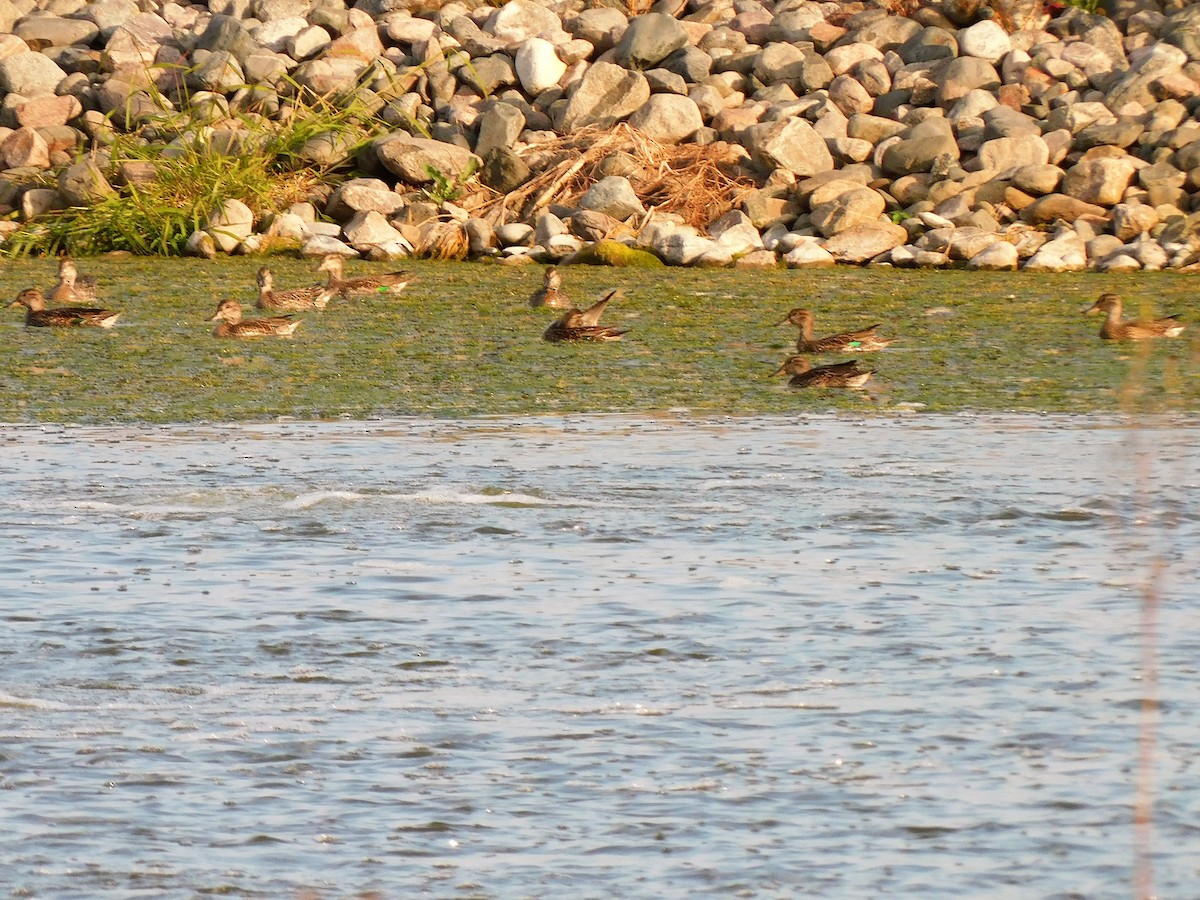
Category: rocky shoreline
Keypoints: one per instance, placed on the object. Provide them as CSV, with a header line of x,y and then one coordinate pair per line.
x,y
1002,135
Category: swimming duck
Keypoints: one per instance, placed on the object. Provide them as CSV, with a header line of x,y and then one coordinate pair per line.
x,y
844,374
577,325
551,293
230,323
864,341
72,287
38,316
383,285
298,298
1114,329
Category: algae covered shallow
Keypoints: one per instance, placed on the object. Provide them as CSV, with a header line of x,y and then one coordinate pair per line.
x,y
462,341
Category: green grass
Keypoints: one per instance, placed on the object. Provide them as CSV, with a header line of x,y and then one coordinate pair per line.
x,y
462,341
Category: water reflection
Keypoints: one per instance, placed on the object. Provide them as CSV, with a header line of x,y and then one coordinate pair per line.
x,y
615,657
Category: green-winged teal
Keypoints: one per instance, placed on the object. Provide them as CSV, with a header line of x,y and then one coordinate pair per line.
x,y
297,298
1114,329
38,316
842,375
551,292
584,325
72,287
863,341
380,285
231,324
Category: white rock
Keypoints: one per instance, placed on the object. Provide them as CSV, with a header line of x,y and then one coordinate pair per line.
x,y
1118,262
985,40
1001,256
367,228
230,224
1063,254
808,254
538,66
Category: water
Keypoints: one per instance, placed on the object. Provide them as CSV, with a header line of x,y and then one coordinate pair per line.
x,y
596,657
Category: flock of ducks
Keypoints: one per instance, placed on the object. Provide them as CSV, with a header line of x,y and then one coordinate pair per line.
x,y
73,290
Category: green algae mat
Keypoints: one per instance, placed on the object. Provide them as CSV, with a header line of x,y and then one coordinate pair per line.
x,y
463,341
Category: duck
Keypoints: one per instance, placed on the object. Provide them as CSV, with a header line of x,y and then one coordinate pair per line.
x,y
550,293
230,323
1114,329
862,341
391,283
38,316
71,286
298,298
584,325
843,374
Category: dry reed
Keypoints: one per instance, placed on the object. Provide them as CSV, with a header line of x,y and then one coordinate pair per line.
x,y
697,183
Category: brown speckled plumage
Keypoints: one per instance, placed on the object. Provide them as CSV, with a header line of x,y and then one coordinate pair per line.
x,y
38,316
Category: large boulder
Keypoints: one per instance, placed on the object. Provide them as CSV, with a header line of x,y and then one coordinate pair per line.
x,y
606,94
668,118
419,161
649,40
789,144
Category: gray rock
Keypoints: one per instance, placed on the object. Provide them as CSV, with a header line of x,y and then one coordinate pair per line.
x,y
999,257
1132,219
362,195
481,237
963,75
690,63
499,126
1054,207
850,96
369,228
864,242
593,225
1004,154
601,27
29,74
791,144
519,20
504,171
37,202
985,40
668,118
614,196
82,184
229,224
412,159
605,95
872,129
649,40
1099,181
1037,179
780,63
888,32
932,43
55,31
1134,86
1122,133
1005,122
201,244
924,145
852,208
514,234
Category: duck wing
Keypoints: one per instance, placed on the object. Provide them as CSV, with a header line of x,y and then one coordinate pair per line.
x,y
591,316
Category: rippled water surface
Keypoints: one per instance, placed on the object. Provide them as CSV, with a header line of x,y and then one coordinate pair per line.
x,y
597,657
